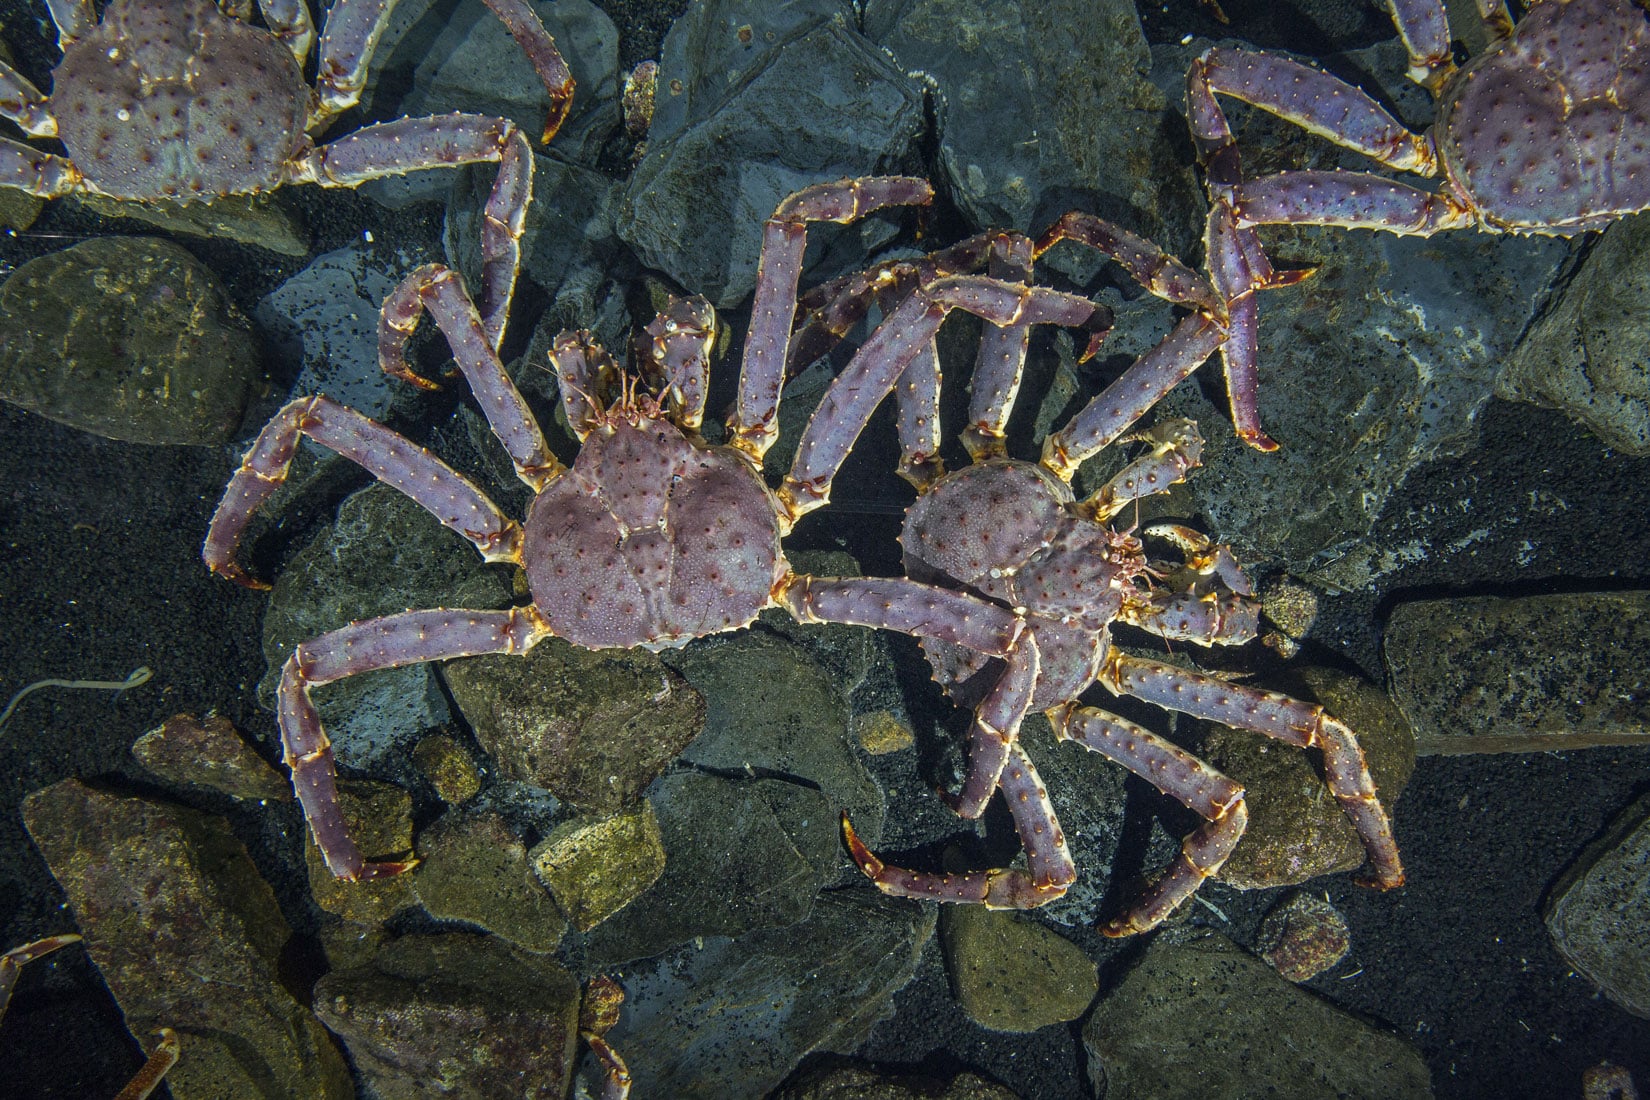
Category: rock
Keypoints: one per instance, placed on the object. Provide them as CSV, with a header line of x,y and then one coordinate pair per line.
x,y
1302,936
1018,89
1012,974
129,338
323,326
473,868
718,164
1585,354
838,1081
596,868
1297,830
1599,913
771,709
379,816
448,767
739,856
1203,1018
209,753
733,1018
456,1015
593,727
1485,674
263,221
187,936
881,732
383,555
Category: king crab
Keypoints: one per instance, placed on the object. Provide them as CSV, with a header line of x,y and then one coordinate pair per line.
x,y
1547,131
652,537
1010,532
187,99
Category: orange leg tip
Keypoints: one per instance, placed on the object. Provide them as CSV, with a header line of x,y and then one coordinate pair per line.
x,y
1294,277
1259,440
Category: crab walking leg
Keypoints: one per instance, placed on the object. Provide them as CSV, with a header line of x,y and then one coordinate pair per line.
x,y
524,26
393,459
74,19
828,311
924,611
1048,872
22,103
159,1063
1181,776
778,271
1424,30
1352,200
289,20
1001,359
1312,99
440,141
678,344
440,290
917,418
44,175
868,377
1293,721
19,957
410,638
1115,409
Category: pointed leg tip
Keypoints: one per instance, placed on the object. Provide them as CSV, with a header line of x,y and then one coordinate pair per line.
x,y
1258,439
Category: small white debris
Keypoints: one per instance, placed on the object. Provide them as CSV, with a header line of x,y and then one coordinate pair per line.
x,y
366,235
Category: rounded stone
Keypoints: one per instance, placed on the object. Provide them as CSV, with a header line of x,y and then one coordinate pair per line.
x,y
129,338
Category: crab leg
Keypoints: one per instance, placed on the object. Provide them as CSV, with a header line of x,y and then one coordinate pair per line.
x,y
352,33
1292,721
73,19
409,144
44,175
22,103
18,957
289,20
1178,449
773,310
1312,99
1001,359
868,377
582,366
1424,29
1048,871
678,344
1114,409
1181,776
409,638
826,312
917,418
924,611
393,459
1352,200
440,290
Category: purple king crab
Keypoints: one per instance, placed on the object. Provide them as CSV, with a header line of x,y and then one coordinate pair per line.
x,y
652,537
187,99
1547,131
1012,533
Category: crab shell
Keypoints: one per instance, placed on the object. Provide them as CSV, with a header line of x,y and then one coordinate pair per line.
x,y
1551,128
651,539
180,100
1005,529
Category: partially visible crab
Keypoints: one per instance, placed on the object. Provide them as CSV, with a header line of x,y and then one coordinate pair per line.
x,y
1011,532
160,1060
187,99
652,537
1547,131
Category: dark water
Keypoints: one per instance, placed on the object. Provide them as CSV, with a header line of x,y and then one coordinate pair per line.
x,y
100,573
